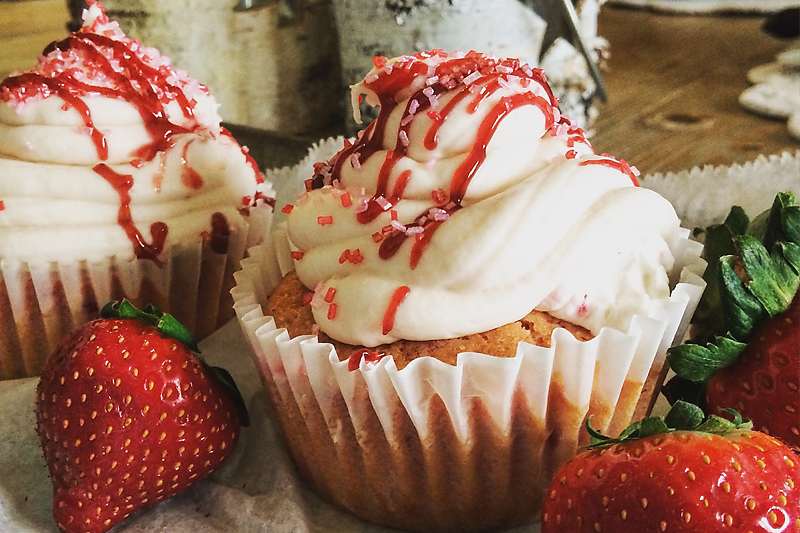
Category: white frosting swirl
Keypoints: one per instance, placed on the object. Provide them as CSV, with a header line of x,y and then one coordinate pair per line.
x,y
543,222
100,98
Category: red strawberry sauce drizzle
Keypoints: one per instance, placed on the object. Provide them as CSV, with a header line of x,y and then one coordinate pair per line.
x,y
391,310
610,162
364,353
448,74
135,84
122,183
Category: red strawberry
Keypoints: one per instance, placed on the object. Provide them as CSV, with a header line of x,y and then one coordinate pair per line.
x,y
127,417
751,359
764,382
679,481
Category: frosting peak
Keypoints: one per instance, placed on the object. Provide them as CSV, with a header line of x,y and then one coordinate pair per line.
x,y
104,142
471,200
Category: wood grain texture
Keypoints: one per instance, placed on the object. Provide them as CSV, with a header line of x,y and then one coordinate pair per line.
x,y
674,83
26,27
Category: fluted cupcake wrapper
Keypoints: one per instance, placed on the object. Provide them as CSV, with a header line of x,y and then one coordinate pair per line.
x,y
41,303
453,448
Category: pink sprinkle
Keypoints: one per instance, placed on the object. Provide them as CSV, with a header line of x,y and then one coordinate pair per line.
x,y
331,311
355,160
556,114
431,81
387,68
439,215
503,83
635,171
527,70
297,256
439,196
344,257
302,199
414,230
383,202
406,119
472,77
346,200
330,294
324,221
434,100
413,106
403,136
428,91
369,78
398,226
287,208
363,205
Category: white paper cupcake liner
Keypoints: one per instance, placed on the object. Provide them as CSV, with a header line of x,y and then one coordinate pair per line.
x,y
344,413
41,303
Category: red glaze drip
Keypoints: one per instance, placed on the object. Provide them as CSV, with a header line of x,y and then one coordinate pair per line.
x,y
220,234
620,165
189,176
354,361
37,84
392,80
394,302
122,183
247,156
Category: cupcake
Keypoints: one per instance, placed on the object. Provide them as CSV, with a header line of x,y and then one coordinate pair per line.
x,y
116,180
455,292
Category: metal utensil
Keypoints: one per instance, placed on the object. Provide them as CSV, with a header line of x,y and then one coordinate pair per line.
x,y
571,18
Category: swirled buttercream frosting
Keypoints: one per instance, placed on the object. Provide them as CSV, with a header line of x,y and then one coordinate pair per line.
x,y
107,150
469,202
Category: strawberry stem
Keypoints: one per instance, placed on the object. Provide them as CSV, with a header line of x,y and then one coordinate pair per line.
x,y
683,416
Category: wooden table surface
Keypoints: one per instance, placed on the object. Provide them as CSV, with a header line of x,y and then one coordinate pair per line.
x,y
673,84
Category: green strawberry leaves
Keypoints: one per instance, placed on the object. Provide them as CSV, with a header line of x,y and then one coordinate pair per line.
x,y
757,275
683,416
163,322
171,327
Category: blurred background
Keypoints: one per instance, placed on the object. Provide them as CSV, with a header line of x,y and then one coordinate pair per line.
x,y
674,71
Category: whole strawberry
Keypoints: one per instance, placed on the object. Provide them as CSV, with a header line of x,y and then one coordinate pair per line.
x,y
764,383
718,476
751,359
128,416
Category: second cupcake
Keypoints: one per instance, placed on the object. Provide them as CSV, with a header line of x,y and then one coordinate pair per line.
x,y
116,180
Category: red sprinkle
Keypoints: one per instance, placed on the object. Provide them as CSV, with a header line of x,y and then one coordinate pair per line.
x,y
344,257
309,183
377,236
393,214
346,200
394,302
439,197
297,256
330,294
307,297
331,311
2,205
571,154
324,221
379,61
287,208
356,257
